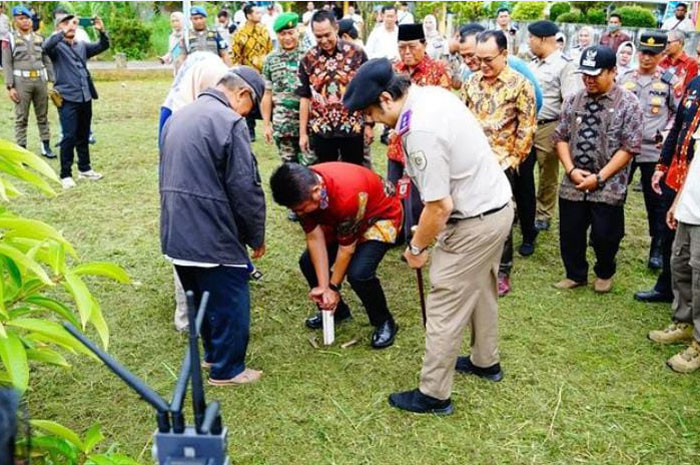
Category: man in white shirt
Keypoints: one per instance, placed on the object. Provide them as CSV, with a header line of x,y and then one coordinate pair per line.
x,y
356,19
268,20
308,14
679,21
239,17
684,217
383,42
405,16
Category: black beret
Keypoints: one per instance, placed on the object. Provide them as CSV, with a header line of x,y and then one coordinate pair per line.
x,y
369,82
543,28
411,32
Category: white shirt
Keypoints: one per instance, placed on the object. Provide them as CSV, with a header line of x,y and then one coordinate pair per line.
x,y
306,17
383,43
672,23
447,153
405,17
268,21
239,18
688,209
4,25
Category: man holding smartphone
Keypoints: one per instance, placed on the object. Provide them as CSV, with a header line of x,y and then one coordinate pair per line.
x,y
74,83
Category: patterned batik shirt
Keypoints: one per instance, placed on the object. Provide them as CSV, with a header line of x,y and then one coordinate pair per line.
x,y
596,127
323,79
506,109
427,72
281,75
250,45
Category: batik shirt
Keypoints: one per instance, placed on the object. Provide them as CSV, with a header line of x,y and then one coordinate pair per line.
x,y
427,72
507,113
356,205
250,45
281,75
596,127
323,79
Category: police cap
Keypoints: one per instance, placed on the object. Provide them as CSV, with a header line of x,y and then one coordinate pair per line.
x,y
286,21
595,59
21,10
411,32
198,10
652,41
369,82
543,28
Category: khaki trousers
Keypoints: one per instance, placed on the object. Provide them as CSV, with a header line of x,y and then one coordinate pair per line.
x,y
464,291
685,275
31,91
548,163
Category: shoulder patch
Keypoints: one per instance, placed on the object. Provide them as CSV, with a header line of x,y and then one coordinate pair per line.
x,y
405,123
630,85
418,159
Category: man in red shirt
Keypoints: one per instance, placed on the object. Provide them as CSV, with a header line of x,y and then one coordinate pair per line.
x,y
613,36
351,218
683,67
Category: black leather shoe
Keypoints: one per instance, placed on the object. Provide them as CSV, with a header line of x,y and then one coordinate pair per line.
x,y
656,256
291,216
384,334
493,373
46,150
526,249
316,321
542,225
417,402
652,296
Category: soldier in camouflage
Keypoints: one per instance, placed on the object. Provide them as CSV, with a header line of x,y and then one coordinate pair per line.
x,y
280,106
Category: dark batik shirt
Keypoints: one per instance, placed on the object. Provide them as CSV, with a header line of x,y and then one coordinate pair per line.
x,y
324,78
596,127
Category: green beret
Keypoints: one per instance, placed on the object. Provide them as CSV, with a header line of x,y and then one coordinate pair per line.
x,y
286,21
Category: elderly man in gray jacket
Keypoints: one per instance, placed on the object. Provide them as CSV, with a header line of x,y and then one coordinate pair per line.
x,y
212,208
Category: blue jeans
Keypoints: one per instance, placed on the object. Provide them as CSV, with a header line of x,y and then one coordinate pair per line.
x,y
362,276
226,326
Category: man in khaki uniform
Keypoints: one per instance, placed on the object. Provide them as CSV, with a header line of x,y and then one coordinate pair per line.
x,y
467,209
27,72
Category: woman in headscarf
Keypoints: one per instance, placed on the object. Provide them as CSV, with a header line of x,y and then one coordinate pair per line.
x,y
177,21
435,44
625,57
585,40
199,71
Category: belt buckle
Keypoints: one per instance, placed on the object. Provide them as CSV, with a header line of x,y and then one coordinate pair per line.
x,y
33,74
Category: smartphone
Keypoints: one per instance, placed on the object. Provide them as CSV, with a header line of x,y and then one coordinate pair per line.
x,y
86,22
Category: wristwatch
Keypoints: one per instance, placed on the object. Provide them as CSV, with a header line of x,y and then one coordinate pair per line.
x,y
415,250
599,180
333,287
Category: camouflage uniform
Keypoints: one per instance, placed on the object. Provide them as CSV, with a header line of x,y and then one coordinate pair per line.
x,y
280,72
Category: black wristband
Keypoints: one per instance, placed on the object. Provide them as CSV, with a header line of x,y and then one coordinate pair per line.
x,y
334,287
570,171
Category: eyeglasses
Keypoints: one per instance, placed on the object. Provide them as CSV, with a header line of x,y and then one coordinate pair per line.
x,y
487,60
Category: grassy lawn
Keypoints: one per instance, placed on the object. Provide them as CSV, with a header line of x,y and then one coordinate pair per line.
x,y
583,384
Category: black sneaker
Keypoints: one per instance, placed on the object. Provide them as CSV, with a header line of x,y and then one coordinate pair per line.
x,y
493,373
417,402
316,321
542,225
526,249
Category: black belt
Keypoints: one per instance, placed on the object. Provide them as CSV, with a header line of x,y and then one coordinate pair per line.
x,y
480,215
546,121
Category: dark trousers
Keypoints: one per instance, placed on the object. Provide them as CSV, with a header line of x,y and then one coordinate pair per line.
x,y
653,202
663,282
226,325
250,122
362,276
523,185
412,205
607,224
75,120
347,149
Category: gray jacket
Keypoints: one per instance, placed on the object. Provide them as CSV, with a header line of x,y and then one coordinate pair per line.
x,y
212,201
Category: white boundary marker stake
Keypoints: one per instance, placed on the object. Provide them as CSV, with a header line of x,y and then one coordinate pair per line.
x,y
328,327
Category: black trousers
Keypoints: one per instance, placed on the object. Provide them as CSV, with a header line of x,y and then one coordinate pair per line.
x,y
347,149
607,225
653,202
362,276
663,282
250,122
523,185
75,120
412,205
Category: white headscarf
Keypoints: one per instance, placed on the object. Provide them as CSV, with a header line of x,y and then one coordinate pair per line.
x,y
199,71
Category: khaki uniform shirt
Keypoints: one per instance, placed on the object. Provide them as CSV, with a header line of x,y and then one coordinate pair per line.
x,y
24,53
558,81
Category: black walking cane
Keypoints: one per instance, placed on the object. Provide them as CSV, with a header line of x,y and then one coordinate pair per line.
x,y
421,291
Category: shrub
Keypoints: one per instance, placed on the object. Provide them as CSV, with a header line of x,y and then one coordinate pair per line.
x,y
529,11
557,9
575,17
130,36
636,16
596,16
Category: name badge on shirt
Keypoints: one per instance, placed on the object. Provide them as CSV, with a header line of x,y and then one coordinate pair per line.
x,y
405,123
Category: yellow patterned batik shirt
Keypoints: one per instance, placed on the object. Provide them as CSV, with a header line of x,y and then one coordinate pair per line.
x,y
250,45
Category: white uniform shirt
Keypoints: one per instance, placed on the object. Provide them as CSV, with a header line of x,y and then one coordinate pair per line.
x,y
558,81
405,17
447,153
688,209
672,23
383,44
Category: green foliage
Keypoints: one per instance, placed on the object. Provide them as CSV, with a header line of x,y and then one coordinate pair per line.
x,y
495,6
575,17
160,34
557,9
463,11
130,36
596,16
584,6
529,11
636,16
54,444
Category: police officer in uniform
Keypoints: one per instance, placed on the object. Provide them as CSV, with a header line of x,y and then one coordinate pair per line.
x,y
555,73
467,209
27,72
658,103
202,39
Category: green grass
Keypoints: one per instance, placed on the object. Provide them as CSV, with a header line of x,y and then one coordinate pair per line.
x,y
583,384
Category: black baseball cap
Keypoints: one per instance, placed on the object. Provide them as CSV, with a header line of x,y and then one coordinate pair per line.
x,y
255,81
595,59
